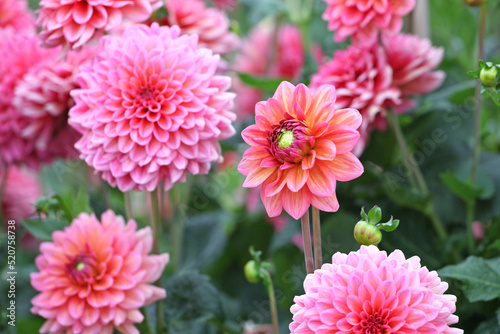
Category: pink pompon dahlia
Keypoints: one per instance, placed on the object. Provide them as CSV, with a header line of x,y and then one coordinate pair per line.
x,y
363,79
363,19
151,108
95,276
15,14
210,24
300,147
72,23
22,189
413,60
369,291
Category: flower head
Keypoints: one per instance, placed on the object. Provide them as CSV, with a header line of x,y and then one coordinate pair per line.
x,y
151,108
22,189
16,15
300,147
363,19
369,291
95,276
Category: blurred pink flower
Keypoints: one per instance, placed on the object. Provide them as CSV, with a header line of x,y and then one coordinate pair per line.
x,y
363,80
298,240
478,230
412,60
15,14
300,147
257,57
151,108
210,24
279,222
363,19
72,23
370,292
95,276
21,191
225,4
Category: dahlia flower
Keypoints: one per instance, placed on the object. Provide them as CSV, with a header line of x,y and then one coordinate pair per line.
x,y
72,23
300,147
225,4
21,191
151,108
363,79
369,291
363,19
210,24
15,14
95,276
412,60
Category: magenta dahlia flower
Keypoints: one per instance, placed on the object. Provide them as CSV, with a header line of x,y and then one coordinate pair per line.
x,y
210,24
72,23
363,79
300,147
21,191
151,108
16,15
369,291
95,276
363,19
413,60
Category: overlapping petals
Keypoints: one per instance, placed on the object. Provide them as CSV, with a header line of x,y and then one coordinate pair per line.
x,y
300,147
95,276
369,291
151,108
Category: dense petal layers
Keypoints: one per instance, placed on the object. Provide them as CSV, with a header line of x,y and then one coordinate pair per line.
x,y
369,291
151,108
95,276
300,147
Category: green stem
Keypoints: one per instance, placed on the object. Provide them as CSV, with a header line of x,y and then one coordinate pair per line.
x,y
128,205
272,301
155,223
471,209
306,236
149,329
318,256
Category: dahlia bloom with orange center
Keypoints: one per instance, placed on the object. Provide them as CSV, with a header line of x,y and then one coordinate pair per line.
x,y
95,276
300,147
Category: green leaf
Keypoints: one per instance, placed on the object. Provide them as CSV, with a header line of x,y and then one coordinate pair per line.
x,y
480,277
265,83
390,226
463,189
81,202
42,229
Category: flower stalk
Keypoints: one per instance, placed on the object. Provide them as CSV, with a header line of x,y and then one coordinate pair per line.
x,y
306,236
268,282
155,224
128,205
318,256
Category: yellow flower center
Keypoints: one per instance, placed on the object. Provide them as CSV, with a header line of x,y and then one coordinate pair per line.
x,y
285,138
80,266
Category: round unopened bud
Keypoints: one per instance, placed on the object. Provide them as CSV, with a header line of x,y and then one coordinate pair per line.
x,y
252,272
488,76
474,2
367,234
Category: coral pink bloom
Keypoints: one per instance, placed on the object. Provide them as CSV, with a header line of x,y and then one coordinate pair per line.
x,y
15,14
412,60
370,292
210,24
22,189
363,80
300,147
73,23
95,276
363,19
151,108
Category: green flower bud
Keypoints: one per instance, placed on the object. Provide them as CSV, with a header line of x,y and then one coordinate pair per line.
x,y
367,234
488,76
252,272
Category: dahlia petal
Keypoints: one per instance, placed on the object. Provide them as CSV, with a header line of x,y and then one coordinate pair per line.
x,y
76,307
325,150
297,178
257,176
284,94
319,184
82,12
344,137
252,132
349,117
328,204
302,96
296,203
273,204
344,167
275,110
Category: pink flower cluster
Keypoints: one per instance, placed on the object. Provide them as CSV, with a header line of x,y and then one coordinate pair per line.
x,y
151,108
369,291
95,276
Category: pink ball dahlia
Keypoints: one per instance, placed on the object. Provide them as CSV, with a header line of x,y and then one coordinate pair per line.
x,y
151,108
210,24
413,60
369,291
363,19
95,276
22,189
73,23
15,14
300,147
363,79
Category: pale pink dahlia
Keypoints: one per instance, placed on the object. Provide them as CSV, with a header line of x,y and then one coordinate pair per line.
x,y
73,23
363,19
413,60
151,108
95,276
15,14
369,291
300,147
363,80
210,24
21,191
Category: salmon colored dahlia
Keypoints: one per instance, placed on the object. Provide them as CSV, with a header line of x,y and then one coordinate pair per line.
x,y
95,276
369,291
363,19
151,108
300,147
73,23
